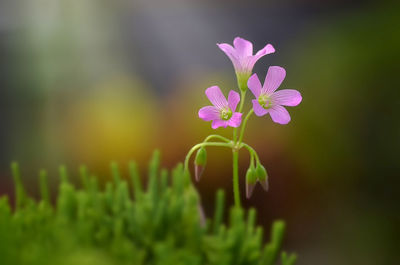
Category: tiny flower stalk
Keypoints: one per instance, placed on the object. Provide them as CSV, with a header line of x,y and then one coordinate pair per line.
x,y
224,112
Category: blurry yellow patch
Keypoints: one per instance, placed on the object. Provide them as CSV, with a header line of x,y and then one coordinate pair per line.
x,y
116,120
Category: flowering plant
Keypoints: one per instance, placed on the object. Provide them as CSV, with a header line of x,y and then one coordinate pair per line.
x,y
223,112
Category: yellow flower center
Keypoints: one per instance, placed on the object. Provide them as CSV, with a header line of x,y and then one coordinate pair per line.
x,y
225,114
265,101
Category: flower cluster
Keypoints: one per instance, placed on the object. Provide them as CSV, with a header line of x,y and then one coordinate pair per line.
x,y
223,112
267,99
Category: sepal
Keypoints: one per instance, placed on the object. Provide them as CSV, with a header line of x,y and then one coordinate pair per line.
x,y
200,162
251,181
262,176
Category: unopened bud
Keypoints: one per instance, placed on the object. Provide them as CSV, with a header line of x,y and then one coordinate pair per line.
x,y
251,180
262,176
200,163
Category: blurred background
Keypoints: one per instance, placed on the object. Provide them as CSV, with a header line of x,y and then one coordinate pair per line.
x,y
89,82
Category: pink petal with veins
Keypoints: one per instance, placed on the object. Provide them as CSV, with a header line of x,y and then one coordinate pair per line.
x,y
231,53
254,85
243,47
274,79
286,97
216,97
258,109
209,113
235,120
233,100
264,51
219,123
251,61
279,114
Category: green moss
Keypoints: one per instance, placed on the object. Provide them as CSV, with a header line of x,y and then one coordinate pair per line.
x,y
129,225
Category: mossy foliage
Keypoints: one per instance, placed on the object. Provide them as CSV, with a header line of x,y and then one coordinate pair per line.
x,y
126,224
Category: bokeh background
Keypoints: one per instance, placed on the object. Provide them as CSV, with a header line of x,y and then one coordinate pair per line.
x,y
88,82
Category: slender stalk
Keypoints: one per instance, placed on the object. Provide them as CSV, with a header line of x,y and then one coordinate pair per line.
x,y
235,157
217,137
251,151
197,146
252,159
236,191
244,125
242,98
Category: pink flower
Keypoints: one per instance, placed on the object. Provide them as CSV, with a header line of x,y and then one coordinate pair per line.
x,y
269,101
241,55
223,112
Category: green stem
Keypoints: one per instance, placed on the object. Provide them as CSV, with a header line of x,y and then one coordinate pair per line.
x,y
217,137
236,191
252,160
201,145
235,157
244,125
251,151
242,98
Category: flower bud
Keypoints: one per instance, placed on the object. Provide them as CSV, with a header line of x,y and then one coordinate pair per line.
x,y
200,163
251,180
262,176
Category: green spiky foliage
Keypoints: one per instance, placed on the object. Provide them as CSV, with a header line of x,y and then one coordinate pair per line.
x,y
127,224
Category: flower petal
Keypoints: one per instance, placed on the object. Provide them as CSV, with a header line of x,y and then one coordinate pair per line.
x,y
258,109
230,52
249,189
233,99
264,51
279,114
287,97
243,47
274,79
209,113
247,64
235,120
219,123
251,61
216,97
254,85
